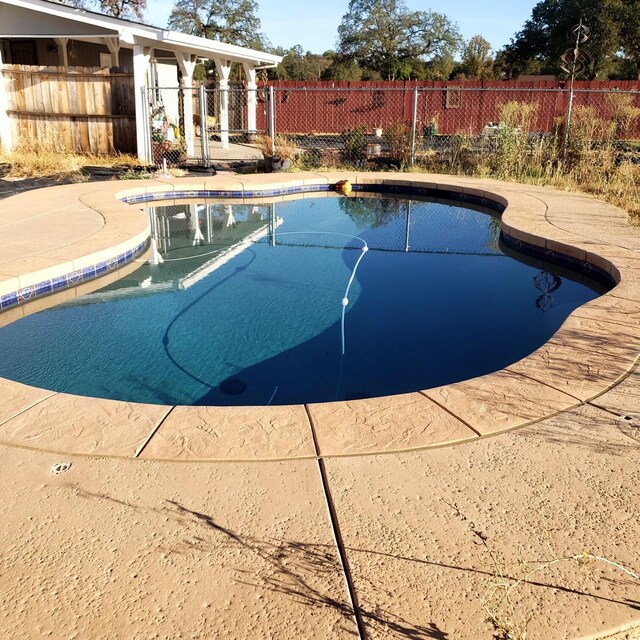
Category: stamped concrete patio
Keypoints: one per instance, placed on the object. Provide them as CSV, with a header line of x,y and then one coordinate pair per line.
x,y
383,518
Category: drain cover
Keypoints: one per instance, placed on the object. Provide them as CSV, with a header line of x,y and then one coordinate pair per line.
x,y
233,386
60,467
629,424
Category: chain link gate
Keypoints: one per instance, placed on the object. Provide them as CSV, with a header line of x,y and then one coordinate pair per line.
x,y
201,127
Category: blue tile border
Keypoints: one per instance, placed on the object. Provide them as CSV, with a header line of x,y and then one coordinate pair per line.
x,y
547,256
433,193
425,192
69,280
41,289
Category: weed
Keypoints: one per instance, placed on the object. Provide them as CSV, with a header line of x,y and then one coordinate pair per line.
x,y
36,159
500,605
398,139
310,159
513,142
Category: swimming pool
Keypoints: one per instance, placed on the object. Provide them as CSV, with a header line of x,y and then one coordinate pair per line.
x,y
314,300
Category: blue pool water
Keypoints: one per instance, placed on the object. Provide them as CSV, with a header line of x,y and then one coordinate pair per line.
x,y
247,308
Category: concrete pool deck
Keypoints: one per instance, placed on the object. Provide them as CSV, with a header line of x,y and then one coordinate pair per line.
x,y
284,517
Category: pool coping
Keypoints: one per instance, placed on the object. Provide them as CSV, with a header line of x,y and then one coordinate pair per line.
x,y
595,349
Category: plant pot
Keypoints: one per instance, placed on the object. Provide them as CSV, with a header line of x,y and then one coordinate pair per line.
x,y
276,165
374,149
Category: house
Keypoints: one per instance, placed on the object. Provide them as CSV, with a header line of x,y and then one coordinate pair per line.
x,y
54,41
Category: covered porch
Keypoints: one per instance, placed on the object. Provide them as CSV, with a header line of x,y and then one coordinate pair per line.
x,y
49,34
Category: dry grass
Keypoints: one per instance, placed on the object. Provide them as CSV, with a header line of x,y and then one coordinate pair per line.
x,y
597,160
36,160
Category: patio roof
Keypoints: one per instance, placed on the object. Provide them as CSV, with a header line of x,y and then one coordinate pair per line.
x,y
59,20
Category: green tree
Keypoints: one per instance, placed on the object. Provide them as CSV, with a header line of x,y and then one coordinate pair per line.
x,y
340,69
440,68
230,21
547,35
477,63
117,8
630,34
384,36
297,65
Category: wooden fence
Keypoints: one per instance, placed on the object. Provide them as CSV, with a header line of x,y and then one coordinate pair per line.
x,y
453,107
80,109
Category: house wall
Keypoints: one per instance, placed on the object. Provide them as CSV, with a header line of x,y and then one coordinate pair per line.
x,y
166,77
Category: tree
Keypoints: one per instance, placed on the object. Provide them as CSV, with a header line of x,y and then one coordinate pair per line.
x,y
547,35
384,36
630,33
230,21
340,69
477,63
297,65
116,8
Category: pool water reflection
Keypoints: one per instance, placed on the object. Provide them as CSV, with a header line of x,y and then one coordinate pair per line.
x,y
245,305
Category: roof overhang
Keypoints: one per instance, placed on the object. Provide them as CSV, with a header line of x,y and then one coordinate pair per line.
x,y
50,19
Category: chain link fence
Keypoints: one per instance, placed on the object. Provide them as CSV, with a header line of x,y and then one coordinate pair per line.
x,y
200,126
448,126
436,128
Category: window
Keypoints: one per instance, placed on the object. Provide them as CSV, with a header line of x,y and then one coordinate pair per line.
x,y
452,98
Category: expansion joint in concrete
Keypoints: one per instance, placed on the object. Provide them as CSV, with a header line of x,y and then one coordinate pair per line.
x,y
142,447
337,535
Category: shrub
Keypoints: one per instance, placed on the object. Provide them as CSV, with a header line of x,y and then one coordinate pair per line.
x,y
355,145
398,139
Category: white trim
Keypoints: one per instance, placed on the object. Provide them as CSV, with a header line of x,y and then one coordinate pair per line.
x,y
113,44
252,99
63,55
223,67
141,58
187,64
132,33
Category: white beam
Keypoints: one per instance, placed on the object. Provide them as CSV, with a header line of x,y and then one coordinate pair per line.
x,y
6,139
141,58
187,64
224,71
63,55
252,99
113,44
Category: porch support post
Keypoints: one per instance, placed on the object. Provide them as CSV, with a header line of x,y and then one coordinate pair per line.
x,y
63,55
113,44
252,100
223,68
187,64
6,140
141,58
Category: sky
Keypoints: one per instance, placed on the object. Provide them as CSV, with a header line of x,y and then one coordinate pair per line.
x,y
314,25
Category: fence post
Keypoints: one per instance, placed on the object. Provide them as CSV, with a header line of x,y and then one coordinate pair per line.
x,y
567,126
272,120
414,121
204,122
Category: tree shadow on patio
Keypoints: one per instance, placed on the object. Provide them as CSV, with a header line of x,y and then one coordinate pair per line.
x,y
292,566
